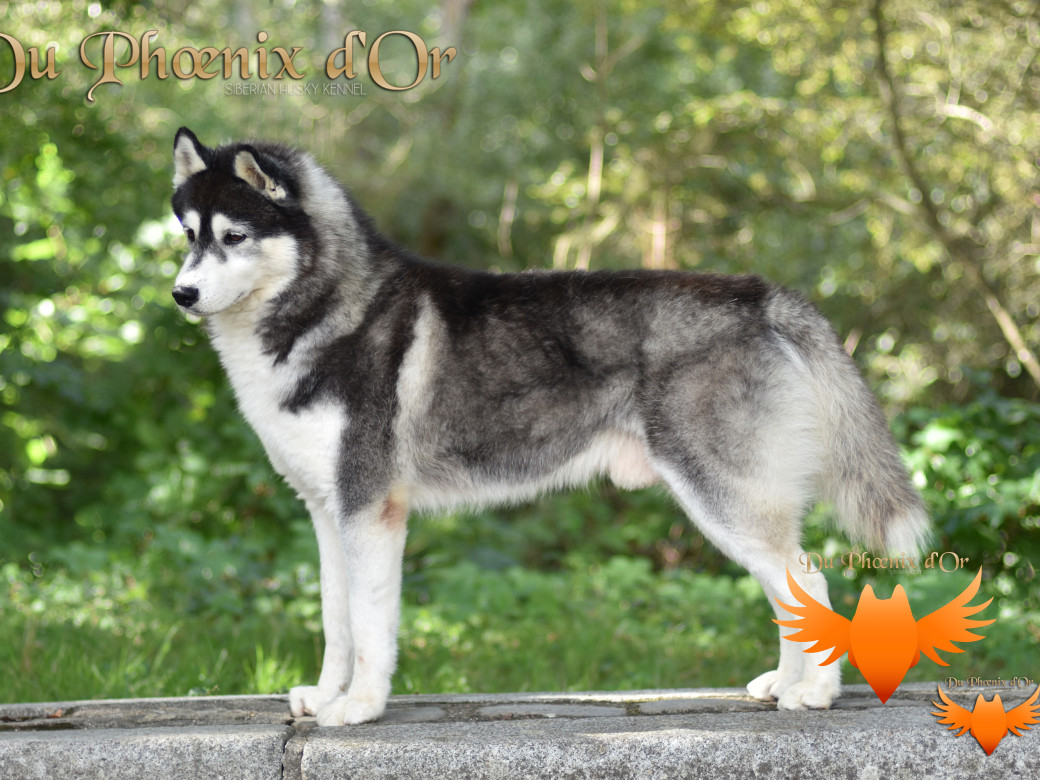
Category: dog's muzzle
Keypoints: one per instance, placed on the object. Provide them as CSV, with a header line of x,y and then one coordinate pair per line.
x,y
186,297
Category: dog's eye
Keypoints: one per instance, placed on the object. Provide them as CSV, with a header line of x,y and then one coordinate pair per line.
x,y
190,234
234,238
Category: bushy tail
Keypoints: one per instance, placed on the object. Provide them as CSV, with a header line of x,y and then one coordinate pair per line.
x,y
862,472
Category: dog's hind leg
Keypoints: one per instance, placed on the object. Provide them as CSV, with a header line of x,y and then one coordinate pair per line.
x,y
337,665
737,443
765,541
373,545
799,681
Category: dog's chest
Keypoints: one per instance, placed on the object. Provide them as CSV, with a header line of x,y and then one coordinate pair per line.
x,y
302,445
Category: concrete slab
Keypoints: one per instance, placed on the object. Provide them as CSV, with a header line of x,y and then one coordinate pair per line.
x,y
720,733
130,754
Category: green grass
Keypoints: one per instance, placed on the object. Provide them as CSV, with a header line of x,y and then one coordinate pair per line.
x,y
613,625
204,579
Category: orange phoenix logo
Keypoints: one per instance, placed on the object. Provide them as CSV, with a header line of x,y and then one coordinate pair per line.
x,y
987,721
883,640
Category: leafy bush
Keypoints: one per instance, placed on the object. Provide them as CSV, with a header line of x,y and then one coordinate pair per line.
x,y
147,547
978,467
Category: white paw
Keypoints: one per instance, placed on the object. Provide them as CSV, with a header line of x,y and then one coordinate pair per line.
x,y
309,699
349,710
763,686
808,695
812,694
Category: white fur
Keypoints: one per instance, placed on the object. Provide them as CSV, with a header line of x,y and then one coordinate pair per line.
x,y
413,388
192,221
338,665
303,446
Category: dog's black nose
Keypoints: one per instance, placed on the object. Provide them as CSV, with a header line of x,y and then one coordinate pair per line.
x,y
186,296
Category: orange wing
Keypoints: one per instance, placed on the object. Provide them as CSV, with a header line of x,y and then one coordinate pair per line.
x,y
955,714
940,629
1024,715
816,623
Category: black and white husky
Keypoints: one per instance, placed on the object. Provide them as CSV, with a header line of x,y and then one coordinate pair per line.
x,y
380,383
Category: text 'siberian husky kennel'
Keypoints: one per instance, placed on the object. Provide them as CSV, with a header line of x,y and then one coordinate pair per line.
x,y
380,383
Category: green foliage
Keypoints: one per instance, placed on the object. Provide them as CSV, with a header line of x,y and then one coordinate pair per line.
x,y
615,624
980,462
146,547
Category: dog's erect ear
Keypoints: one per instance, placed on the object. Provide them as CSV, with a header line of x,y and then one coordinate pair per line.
x,y
189,156
260,173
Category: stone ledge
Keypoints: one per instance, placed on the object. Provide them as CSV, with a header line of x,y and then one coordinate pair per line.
x,y
720,733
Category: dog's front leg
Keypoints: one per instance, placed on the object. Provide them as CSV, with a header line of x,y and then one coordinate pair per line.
x,y
338,662
373,545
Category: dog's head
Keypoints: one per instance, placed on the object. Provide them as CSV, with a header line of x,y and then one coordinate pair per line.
x,y
240,209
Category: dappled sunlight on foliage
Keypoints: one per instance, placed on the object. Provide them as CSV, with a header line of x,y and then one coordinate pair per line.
x,y
979,464
880,157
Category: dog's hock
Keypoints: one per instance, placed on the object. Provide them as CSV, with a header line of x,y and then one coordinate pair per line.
x,y
248,169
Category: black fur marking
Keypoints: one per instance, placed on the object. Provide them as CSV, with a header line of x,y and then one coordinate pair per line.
x,y
296,312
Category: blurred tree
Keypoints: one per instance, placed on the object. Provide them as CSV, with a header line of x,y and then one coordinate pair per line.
x,y
985,218
898,191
